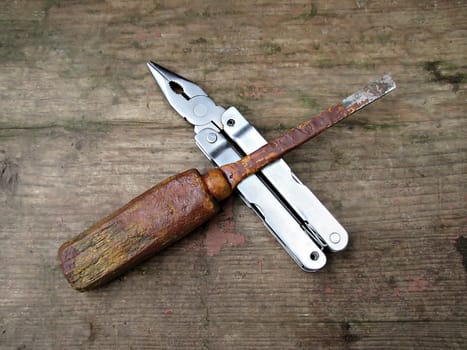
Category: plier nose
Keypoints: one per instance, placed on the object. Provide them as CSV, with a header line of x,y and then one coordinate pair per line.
x,y
186,97
173,85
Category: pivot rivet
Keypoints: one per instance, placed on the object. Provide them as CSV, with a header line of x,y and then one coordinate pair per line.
x,y
211,137
200,110
335,237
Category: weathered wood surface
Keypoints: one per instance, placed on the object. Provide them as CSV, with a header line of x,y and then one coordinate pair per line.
x,y
83,129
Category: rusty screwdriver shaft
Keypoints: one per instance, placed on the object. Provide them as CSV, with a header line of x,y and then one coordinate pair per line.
x,y
295,137
183,202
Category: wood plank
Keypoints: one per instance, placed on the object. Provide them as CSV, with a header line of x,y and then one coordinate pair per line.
x,y
83,129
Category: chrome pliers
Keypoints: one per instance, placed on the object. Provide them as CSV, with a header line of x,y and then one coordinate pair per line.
x,y
293,214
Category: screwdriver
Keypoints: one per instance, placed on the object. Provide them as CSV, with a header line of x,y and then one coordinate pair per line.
x,y
181,203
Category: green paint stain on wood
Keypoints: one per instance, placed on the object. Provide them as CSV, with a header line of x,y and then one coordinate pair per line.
x,y
461,246
271,48
381,126
442,73
340,157
383,39
194,14
48,4
313,12
309,102
366,125
8,129
198,41
420,138
242,108
362,65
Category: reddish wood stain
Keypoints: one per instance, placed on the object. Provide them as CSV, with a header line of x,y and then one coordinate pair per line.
x,y
221,232
419,285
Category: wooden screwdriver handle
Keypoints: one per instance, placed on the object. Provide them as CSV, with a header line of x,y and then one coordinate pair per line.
x,y
147,224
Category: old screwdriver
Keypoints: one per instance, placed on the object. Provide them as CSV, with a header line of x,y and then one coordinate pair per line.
x,y
181,203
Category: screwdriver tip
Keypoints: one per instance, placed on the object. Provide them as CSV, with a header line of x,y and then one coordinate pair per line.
x,y
370,93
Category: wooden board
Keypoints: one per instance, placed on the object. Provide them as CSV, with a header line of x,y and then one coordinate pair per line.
x,y
83,129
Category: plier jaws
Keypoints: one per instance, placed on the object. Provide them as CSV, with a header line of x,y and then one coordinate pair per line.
x,y
186,97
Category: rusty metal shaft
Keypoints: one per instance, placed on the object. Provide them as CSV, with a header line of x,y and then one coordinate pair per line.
x,y
275,149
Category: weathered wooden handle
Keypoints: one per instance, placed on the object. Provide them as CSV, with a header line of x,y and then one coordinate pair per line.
x,y
147,224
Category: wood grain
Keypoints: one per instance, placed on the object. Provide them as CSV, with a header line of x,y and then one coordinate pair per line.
x,y
83,129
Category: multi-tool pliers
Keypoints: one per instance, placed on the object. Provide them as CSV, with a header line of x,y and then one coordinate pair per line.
x,y
293,214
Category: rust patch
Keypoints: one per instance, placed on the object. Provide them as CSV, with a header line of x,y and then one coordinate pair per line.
x,y
419,285
258,90
221,232
167,312
67,258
